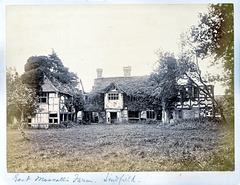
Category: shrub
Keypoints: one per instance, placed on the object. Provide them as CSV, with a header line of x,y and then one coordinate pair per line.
x,y
66,124
149,121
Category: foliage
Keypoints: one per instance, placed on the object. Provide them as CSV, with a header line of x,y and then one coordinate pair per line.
x,y
66,124
60,72
94,101
21,100
149,121
68,102
165,77
78,101
50,66
139,94
214,35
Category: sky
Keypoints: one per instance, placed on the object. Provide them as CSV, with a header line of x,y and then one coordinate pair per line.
x,y
87,37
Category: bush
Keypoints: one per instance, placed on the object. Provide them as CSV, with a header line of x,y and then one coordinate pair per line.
x,y
194,124
66,124
149,121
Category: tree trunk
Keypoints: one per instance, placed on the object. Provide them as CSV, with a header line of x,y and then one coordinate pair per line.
x,y
100,117
220,111
20,126
75,117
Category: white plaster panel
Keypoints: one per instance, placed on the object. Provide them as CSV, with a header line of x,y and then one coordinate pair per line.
x,y
113,104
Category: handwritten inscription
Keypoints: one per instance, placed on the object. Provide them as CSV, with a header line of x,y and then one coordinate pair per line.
x,y
119,179
77,179
43,179
17,178
80,180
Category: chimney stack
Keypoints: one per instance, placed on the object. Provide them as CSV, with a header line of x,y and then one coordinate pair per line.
x,y
127,71
99,73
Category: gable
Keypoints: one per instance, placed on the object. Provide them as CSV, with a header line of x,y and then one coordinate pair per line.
x,y
54,85
113,88
48,86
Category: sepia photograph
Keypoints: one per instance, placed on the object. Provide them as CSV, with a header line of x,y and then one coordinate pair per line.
x,y
119,88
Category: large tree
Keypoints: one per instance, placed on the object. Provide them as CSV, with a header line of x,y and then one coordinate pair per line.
x,y
21,100
78,101
165,78
50,66
214,36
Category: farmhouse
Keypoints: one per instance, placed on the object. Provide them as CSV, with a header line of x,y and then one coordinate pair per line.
x,y
54,105
119,99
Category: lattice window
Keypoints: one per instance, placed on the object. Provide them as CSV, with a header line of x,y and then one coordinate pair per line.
x,y
113,96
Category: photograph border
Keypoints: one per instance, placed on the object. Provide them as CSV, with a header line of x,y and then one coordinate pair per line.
x,y
150,178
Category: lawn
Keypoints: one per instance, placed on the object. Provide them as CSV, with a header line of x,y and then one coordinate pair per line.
x,y
186,146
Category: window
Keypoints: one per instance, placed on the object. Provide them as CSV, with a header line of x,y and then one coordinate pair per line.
x,y
43,98
112,96
195,93
184,94
52,115
131,98
133,114
150,114
189,91
53,118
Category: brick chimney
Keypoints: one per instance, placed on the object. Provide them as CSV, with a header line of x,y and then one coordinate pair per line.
x,y
99,73
127,71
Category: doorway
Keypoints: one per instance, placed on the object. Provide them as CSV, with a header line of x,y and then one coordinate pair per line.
x,y
113,116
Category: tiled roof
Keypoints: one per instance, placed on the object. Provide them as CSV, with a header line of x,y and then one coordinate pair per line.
x,y
48,86
54,85
128,84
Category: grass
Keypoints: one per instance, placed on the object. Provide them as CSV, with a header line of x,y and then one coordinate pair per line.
x,y
186,146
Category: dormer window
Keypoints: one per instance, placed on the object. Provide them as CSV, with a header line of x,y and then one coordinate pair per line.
x,y
113,96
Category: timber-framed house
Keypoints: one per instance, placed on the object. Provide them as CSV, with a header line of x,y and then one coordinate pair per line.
x,y
55,105
118,99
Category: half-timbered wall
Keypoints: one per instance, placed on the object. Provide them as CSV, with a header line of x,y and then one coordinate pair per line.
x,y
52,110
193,102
